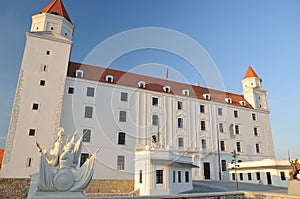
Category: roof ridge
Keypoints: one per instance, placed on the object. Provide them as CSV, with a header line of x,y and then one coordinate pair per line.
x,y
98,73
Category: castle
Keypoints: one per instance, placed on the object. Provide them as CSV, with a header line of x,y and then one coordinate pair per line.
x,y
122,112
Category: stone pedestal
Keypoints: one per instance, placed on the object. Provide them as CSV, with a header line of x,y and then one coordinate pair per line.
x,y
294,187
35,194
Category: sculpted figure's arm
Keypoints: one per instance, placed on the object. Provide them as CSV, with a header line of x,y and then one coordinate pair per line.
x,y
39,147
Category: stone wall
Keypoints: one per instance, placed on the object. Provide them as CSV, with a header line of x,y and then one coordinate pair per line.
x,y
110,186
14,188
18,188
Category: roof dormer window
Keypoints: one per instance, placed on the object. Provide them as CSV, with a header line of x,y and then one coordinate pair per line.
x,y
109,78
167,89
142,84
186,92
243,103
79,73
228,100
206,96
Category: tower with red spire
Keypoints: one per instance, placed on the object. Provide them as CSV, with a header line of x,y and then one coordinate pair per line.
x,y
253,91
54,18
37,107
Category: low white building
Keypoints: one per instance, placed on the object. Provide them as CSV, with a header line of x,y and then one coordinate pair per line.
x,y
161,172
266,172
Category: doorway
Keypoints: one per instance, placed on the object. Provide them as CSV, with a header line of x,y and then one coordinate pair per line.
x,y
206,167
269,179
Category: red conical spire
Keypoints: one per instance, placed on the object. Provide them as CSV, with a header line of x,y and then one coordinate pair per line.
x,y
56,7
250,73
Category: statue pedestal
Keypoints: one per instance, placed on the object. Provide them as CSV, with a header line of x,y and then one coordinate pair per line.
x,y
35,194
294,187
58,195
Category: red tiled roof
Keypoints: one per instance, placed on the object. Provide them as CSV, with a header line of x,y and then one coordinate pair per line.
x,y
1,156
154,84
58,8
250,73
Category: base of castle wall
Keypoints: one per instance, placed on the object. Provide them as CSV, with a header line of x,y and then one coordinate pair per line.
x,y
294,187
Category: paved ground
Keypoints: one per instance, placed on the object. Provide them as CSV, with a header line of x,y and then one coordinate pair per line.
x,y
217,186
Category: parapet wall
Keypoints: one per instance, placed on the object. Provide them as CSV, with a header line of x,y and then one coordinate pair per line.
x,y
18,188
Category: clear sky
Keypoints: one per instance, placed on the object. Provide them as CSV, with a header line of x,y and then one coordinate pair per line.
x,y
236,34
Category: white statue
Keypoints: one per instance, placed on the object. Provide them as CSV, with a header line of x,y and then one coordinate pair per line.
x,y
59,169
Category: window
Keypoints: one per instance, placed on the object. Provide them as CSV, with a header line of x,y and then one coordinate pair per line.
x,y
186,92
253,116
121,138
187,176
86,135
79,73
228,100
179,176
124,97
48,52
154,101
282,175
159,176
35,106
29,162
179,105
237,129
121,162
155,120
109,78
257,175
224,165
180,142
70,90
233,176
122,116
31,132
235,114
249,176
221,127
90,92
257,148
222,143
220,111
180,122
174,176
88,112
142,84
44,68
42,83
255,131
203,144
167,89
83,158
202,109
206,96
238,147
243,103
203,125
141,177
241,176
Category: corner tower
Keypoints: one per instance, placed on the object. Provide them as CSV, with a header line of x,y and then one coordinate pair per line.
x,y
53,18
36,111
253,91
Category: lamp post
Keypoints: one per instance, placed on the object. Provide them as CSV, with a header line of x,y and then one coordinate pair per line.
x,y
234,155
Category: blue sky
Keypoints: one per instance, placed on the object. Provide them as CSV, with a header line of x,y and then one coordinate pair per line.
x,y
236,34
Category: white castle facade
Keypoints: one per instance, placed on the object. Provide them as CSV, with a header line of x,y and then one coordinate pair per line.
x,y
123,112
